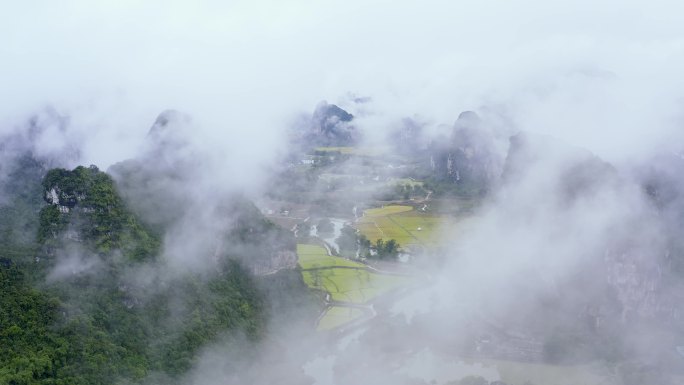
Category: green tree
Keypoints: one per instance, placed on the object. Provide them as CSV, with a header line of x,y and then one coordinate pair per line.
x,y
386,250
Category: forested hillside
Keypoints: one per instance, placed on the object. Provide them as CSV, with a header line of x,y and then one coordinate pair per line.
x,y
88,301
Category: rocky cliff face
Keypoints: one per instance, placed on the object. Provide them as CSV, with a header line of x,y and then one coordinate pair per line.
x,y
661,179
469,158
408,138
637,279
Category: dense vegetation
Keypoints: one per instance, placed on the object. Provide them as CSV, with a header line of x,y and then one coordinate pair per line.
x,y
386,250
50,341
31,352
351,241
96,215
20,201
74,311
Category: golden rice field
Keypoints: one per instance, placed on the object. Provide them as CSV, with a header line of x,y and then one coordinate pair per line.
x,y
401,223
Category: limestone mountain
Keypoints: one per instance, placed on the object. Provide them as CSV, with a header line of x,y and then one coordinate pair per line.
x,y
469,158
575,170
166,188
329,125
91,295
625,279
84,207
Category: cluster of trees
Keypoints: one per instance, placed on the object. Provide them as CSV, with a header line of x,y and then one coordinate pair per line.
x,y
351,241
30,350
386,250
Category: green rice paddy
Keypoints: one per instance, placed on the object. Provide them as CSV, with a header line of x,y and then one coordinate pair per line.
x,y
345,281
352,285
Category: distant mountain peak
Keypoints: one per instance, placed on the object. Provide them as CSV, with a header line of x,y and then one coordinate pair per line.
x,y
169,125
467,119
331,125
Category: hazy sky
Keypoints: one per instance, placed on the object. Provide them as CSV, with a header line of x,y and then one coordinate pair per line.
x,y
594,73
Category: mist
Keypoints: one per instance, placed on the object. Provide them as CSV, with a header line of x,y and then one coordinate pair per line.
x,y
192,109
584,71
